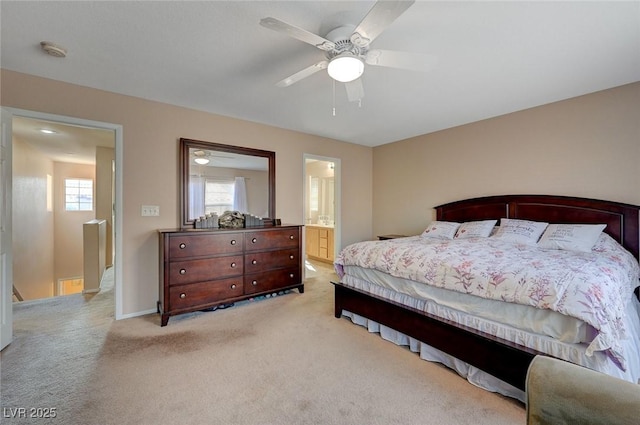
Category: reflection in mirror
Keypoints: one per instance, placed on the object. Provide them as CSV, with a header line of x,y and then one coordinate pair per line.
x,y
218,178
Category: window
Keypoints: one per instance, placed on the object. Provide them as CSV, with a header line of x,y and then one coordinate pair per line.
x,y
78,194
218,195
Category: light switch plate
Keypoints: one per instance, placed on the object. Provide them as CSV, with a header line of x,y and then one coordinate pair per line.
x,y
150,210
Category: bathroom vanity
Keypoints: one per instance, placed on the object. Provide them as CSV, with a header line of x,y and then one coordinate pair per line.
x,y
319,242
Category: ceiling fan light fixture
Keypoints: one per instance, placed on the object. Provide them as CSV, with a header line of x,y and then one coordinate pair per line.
x,y
345,68
201,161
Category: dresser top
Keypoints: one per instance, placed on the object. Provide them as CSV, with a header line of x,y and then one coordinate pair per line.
x,y
239,229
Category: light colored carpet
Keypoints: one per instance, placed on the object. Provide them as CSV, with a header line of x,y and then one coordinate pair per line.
x,y
282,360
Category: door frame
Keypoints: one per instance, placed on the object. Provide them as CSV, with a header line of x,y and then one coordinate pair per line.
x,y
6,253
337,175
118,213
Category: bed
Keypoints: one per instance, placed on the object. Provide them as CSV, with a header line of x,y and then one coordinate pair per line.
x,y
477,337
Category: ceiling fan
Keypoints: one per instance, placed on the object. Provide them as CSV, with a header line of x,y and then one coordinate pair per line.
x,y
203,157
347,48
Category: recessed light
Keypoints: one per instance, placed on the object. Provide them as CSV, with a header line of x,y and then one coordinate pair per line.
x,y
47,131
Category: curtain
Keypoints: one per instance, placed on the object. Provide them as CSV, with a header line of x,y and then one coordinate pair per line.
x,y
196,197
240,196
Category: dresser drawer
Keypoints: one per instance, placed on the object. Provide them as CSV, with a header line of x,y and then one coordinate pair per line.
x,y
261,261
193,245
272,280
202,293
272,239
181,272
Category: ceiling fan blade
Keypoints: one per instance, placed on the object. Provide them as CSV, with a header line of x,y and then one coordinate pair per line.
x,y
298,33
355,90
381,15
302,74
402,60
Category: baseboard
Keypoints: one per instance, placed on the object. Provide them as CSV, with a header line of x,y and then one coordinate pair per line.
x,y
90,291
137,314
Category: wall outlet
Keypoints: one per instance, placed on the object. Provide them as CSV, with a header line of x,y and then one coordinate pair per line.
x,y
150,210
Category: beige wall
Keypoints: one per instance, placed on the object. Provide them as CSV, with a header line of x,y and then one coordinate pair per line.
x,y
33,252
151,131
68,245
588,146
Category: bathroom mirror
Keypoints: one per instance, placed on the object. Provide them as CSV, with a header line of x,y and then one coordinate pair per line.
x,y
320,200
216,177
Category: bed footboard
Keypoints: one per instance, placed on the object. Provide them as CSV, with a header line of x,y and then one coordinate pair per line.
x,y
503,359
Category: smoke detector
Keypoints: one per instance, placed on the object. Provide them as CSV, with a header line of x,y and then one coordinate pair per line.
x,y
53,49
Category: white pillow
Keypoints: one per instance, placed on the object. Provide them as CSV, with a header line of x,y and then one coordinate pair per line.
x,y
522,231
441,230
571,237
475,229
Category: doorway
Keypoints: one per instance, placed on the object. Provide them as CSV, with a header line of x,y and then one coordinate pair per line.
x,y
321,209
77,132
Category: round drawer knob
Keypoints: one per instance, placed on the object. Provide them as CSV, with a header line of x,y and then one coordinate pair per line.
x,y
183,296
254,262
254,240
291,275
291,257
183,271
233,241
233,265
291,237
183,245
254,283
233,286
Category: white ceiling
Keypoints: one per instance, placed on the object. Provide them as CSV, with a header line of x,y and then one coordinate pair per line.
x,y
493,58
63,142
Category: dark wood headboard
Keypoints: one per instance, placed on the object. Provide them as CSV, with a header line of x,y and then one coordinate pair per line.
x,y
622,220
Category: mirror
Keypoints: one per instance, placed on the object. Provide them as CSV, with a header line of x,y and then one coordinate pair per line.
x,y
210,174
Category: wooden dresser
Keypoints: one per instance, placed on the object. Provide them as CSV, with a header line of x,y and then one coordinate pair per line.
x,y
201,269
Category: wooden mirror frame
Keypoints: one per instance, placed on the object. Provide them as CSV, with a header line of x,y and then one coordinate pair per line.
x,y
186,144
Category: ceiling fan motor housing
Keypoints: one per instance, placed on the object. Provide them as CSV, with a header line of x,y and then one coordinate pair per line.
x,y
341,36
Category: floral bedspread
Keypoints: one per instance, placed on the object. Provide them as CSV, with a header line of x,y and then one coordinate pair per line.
x,y
593,287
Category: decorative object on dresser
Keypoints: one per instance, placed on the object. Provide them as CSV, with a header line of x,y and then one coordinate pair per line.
x,y
231,220
201,269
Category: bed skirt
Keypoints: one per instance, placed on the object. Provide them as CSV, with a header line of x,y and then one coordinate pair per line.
x,y
574,353
474,375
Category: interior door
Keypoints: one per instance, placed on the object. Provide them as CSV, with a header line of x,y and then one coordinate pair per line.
x,y
6,270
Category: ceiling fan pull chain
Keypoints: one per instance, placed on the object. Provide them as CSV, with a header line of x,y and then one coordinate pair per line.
x,y
334,97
